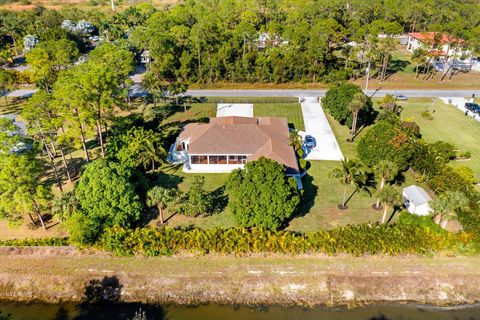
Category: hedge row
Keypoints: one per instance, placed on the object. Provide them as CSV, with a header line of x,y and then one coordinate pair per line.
x,y
355,240
42,242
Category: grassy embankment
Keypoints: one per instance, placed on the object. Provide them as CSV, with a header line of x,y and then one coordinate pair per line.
x,y
305,280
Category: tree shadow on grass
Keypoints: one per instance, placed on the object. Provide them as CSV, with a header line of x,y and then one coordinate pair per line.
x,y
310,191
168,180
219,200
106,290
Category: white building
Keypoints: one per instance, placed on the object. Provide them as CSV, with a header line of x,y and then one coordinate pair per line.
x,y
416,200
228,143
441,47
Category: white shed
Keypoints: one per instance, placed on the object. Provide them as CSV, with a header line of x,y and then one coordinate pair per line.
x,y
416,200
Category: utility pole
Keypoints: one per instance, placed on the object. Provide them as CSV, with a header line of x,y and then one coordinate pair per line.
x,y
113,5
367,71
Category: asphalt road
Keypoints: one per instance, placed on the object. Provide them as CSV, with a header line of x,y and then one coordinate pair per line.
x,y
321,93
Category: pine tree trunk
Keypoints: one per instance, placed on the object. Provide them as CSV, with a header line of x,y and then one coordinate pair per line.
x,y
100,138
82,136
31,219
37,211
52,163
65,165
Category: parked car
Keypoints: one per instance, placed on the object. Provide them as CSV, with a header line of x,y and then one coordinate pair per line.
x,y
473,107
309,142
399,96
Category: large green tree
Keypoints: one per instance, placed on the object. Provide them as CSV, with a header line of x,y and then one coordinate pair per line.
x,y
261,195
107,196
48,59
22,192
338,101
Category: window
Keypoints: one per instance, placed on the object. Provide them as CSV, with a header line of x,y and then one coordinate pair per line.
x,y
222,159
213,159
199,160
237,159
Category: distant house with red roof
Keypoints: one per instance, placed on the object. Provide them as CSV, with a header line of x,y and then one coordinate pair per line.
x,y
441,46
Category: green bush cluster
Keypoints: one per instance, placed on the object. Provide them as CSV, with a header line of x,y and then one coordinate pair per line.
x,y
354,240
42,242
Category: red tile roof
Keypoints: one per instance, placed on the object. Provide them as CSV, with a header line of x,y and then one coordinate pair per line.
x,y
255,137
429,37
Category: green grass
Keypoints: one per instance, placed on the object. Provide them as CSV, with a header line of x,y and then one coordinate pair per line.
x,y
450,125
263,108
291,111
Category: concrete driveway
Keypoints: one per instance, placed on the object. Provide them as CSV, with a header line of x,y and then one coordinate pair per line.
x,y
316,125
459,103
235,109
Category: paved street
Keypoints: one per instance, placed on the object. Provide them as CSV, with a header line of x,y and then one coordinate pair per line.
x,y
321,93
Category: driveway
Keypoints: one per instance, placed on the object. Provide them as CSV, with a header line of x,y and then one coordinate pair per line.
x,y
316,125
236,109
459,103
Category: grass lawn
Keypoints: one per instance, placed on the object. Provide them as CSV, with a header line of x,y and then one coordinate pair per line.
x,y
264,108
449,125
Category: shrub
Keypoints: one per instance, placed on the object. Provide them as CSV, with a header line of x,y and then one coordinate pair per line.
x,y
50,242
337,100
386,141
356,240
449,180
426,114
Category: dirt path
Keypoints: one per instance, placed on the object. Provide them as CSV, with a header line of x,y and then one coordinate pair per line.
x,y
302,280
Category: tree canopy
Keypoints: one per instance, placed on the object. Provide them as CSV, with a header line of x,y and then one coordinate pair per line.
x,y
261,195
107,197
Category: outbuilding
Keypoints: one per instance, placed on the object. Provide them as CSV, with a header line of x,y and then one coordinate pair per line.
x,y
416,200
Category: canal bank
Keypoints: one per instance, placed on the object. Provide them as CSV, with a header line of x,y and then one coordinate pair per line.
x,y
69,276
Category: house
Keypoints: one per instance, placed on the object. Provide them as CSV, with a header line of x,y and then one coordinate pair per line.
x,y
441,46
264,40
227,143
416,200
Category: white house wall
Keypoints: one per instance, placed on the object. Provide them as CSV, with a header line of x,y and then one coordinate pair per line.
x,y
212,168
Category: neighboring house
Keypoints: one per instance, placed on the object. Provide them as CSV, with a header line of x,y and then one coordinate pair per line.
x,y
21,131
145,57
442,47
228,143
416,200
264,40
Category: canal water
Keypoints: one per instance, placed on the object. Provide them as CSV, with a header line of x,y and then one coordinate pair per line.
x,y
35,311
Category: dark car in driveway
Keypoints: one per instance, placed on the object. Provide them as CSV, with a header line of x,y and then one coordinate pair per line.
x,y
309,143
473,107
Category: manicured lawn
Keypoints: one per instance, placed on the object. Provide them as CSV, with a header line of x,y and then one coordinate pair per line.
x,y
450,125
291,111
262,108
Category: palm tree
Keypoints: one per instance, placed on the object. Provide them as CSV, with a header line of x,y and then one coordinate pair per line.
x,y
447,205
349,173
390,196
151,152
64,206
358,103
419,57
386,170
160,197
